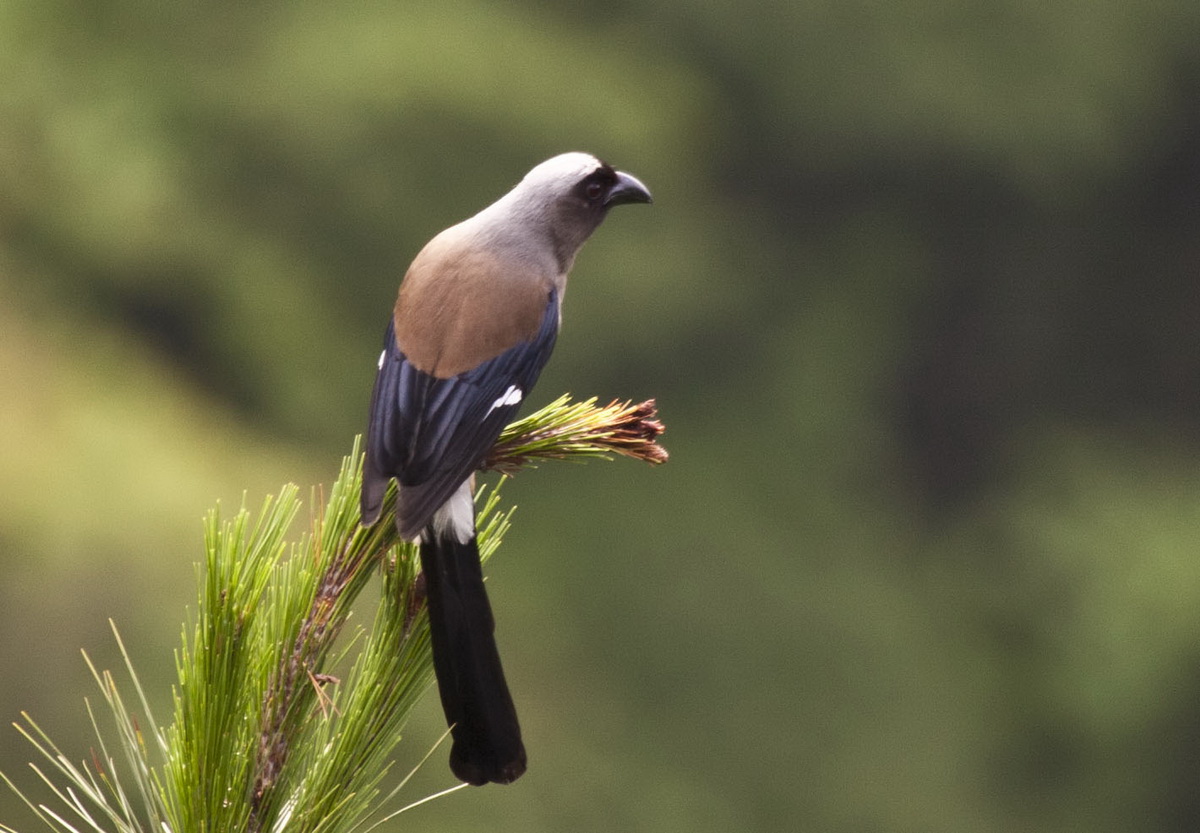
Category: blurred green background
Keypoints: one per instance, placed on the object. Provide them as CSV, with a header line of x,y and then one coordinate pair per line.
x,y
918,297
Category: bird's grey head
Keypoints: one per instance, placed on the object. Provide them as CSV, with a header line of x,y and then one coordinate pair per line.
x,y
584,181
566,197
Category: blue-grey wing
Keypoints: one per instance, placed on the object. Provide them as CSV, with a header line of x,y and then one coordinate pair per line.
x,y
431,434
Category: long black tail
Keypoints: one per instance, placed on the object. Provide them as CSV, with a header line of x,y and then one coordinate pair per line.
x,y
487,739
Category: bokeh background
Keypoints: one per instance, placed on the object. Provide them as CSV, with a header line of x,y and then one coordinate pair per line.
x,y
918,297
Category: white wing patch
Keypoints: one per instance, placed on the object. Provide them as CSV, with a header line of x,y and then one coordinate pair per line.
x,y
512,396
382,356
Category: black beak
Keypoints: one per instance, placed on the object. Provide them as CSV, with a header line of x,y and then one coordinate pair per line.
x,y
627,189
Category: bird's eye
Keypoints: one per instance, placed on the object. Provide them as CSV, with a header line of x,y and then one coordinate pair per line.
x,y
593,191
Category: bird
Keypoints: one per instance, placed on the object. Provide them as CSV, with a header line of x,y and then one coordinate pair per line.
x,y
475,321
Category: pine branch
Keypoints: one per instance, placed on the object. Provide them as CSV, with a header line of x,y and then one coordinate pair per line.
x,y
265,737
566,430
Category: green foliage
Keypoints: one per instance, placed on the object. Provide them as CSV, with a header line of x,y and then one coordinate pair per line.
x,y
265,737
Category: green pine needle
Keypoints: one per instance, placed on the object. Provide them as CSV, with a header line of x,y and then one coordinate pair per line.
x,y
264,736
